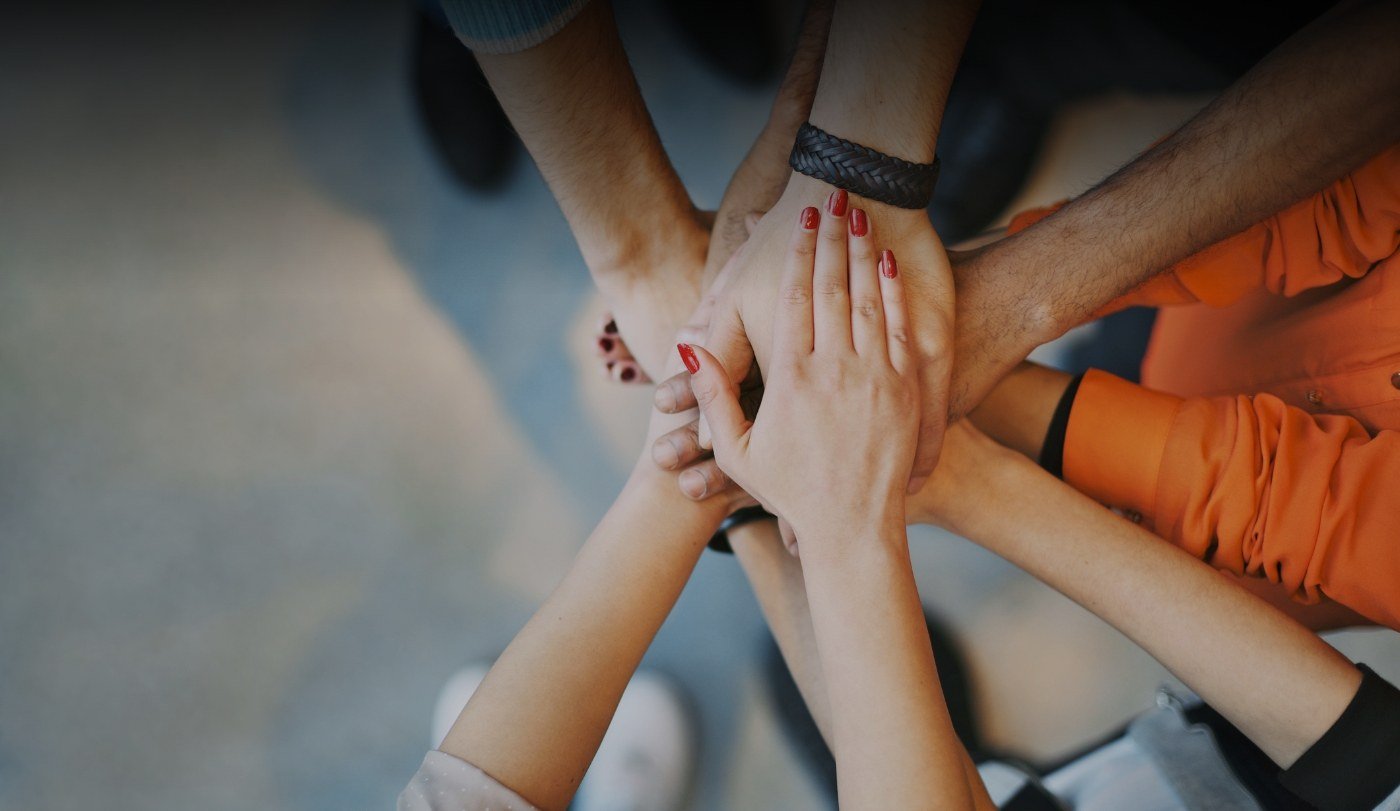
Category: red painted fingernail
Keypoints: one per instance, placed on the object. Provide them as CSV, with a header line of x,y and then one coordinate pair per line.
x,y
692,363
606,344
860,226
628,373
610,328
887,265
836,203
809,218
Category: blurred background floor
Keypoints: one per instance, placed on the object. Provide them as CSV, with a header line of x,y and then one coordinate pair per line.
x,y
291,428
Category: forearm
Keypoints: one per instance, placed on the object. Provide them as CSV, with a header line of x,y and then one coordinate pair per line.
x,y
776,579
575,103
893,740
1272,138
537,719
1281,685
884,81
887,72
1017,413
762,175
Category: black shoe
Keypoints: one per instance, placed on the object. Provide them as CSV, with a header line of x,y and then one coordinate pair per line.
x,y
986,147
802,733
469,131
736,38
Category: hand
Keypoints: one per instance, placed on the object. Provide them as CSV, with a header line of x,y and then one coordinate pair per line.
x,y
742,328
704,484
653,291
834,440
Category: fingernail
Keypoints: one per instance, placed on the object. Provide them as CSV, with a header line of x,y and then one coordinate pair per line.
x,y
610,327
692,363
836,203
664,399
810,217
860,226
664,454
606,344
628,374
693,484
887,265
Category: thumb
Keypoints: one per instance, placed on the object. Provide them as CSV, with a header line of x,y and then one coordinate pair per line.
x,y
717,397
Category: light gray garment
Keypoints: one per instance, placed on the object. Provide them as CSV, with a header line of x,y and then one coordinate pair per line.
x,y
446,783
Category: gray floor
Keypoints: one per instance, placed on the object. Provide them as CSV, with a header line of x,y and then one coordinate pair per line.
x,y
290,428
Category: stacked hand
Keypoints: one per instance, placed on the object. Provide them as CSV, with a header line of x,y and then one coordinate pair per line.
x,y
834,441
741,331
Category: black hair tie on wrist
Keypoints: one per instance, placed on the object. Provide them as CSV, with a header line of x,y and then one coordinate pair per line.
x,y
861,170
744,515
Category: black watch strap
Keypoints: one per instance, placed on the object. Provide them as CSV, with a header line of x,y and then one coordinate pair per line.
x,y
744,515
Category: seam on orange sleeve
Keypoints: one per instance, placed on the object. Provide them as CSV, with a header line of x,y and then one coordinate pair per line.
x,y
1114,443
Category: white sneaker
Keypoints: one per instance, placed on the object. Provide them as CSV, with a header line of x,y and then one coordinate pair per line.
x,y
453,696
646,759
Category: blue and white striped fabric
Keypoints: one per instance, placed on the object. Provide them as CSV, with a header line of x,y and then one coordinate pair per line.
x,y
508,26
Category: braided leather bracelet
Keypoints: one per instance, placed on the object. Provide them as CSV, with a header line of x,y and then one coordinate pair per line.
x,y
861,170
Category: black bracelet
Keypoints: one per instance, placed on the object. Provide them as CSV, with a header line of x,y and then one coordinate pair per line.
x,y
744,515
861,170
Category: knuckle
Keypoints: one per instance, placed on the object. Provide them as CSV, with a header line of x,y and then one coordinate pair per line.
x,y
867,307
830,289
900,335
797,294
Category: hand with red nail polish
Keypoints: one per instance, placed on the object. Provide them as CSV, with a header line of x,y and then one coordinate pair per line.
x,y
742,330
833,442
619,365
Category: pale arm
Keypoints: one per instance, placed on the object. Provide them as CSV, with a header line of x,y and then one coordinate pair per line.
x,y
893,739
1280,684
537,719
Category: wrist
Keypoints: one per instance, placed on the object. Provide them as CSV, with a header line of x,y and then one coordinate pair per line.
x,y
1014,263
663,239
847,546
803,191
660,487
834,525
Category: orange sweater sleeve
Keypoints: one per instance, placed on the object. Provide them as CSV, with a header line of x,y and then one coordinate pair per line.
x,y
1341,232
1249,484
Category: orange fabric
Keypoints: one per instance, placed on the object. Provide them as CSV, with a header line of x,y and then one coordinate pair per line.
x,y
1249,484
1300,482
1318,241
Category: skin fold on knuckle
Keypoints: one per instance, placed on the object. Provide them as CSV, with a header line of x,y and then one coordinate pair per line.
x,y
796,295
866,307
831,289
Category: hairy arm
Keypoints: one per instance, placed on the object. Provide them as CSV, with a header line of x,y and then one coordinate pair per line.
x,y
1318,106
759,180
575,103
